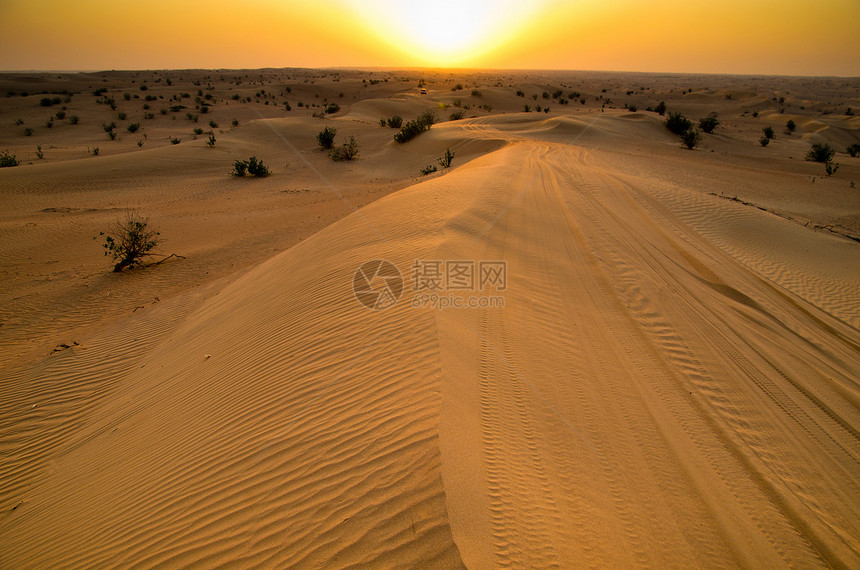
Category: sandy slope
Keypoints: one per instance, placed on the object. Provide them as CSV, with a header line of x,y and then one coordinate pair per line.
x,y
671,382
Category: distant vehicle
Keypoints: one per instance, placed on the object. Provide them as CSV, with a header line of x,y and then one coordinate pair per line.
x,y
423,91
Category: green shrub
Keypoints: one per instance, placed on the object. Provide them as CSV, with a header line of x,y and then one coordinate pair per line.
x,y
394,122
768,131
108,127
347,151
853,150
414,128
252,166
28,132
332,108
210,142
691,138
7,159
456,116
820,153
121,116
213,125
74,119
174,140
197,131
709,123
256,167
133,127
239,168
520,93
429,169
39,153
60,115
235,122
764,141
325,138
790,126
678,123
129,241
446,159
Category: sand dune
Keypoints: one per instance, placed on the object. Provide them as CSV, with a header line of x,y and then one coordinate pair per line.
x,y
670,382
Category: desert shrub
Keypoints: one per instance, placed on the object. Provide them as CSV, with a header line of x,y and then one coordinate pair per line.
x,y
429,169
74,119
126,96
252,166
691,138
347,151
235,122
538,108
213,125
394,122
458,87
7,159
332,108
476,92
768,131
95,151
764,141
149,115
790,126
174,140
456,116
133,127
239,168
256,167
446,159
48,101
39,153
190,117
709,123
197,131
325,138
520,93
660,108
121,116
210,142
60,115
632,108
139,143
108,127
853,150
414,128
755,114
50,123
678,123
19,122
382,123
28,132
112,136
527,109
820,153
129,241
545,95
830,168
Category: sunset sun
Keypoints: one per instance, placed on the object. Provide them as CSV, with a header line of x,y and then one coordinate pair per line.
x,y
444,32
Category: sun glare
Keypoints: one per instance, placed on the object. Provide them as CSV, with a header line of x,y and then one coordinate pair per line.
x,y
444,32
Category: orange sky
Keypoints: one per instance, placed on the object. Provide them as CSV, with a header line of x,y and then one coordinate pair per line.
x,y
713,36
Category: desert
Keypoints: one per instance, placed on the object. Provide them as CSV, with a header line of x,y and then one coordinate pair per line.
x,y
497,318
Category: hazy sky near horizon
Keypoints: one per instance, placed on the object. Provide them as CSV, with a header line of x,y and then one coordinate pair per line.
x,y
791,37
